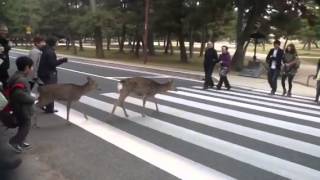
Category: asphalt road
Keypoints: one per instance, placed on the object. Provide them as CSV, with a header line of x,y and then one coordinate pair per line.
x,y
238,134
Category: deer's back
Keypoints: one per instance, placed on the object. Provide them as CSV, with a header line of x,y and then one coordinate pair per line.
x,y
61,91
140,86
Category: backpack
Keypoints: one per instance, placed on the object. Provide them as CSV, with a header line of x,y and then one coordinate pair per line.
x,y
7,117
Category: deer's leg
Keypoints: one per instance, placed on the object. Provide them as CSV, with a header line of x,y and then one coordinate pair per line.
x,y
144,99
120,103
156,103
68,112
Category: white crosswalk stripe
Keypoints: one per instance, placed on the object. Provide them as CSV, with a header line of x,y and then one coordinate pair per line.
x,y
194,98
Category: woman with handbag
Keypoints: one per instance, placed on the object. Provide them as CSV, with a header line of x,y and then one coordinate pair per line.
x,y
225,62
290,67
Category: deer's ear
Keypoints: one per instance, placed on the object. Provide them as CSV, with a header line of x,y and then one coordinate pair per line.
x,y
88,78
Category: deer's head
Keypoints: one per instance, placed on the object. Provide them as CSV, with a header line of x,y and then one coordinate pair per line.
x,y
91,84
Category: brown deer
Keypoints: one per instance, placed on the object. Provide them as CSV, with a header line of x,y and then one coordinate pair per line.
x,y
142,87
69,93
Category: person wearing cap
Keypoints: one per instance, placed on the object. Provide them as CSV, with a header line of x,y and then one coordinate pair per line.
x,y
4,55
210,60
47,70
35,55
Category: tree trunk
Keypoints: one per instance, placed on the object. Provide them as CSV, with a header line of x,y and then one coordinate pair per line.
x,y
316,44
191,43
68,43
309,45
108,42
304,46
203,40
74,47
98,42
183,52
81,44
123,38
167,44
138,47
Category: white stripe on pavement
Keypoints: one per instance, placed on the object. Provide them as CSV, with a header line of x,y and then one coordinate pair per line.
x,y
255,158
258,96
250,106
168,161
274,139
243,115
251,101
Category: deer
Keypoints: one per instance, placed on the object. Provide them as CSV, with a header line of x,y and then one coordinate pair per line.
x,y
69,93
142,87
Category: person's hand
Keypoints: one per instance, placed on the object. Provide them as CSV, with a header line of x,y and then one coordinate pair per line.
x,y
314,77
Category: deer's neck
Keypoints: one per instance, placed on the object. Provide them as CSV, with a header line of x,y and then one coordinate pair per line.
x,y
164,87
85,88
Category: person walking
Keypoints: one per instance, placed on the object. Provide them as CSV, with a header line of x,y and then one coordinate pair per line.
x,y
290,67
21,102
225,62
47,70
210,60
317,77
35,55
4,55
274,60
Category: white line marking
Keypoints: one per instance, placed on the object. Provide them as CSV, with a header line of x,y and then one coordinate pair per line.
x,y
278,140
243,115
269,163
273,105
168,161
258,96
250,106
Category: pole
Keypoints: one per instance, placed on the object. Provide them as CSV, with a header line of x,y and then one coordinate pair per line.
x,y
146,29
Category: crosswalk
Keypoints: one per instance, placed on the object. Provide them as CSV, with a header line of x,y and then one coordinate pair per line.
x,y
238,134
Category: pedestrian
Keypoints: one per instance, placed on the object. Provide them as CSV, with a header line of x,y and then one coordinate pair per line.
x,y
4,55
225,62
274,60
21,102
47,70
210,60
317,77
290,67
35,55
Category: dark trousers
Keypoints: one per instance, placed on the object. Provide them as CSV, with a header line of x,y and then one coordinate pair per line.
x,y
223,79
318,91
4,76
283,82
208,70
23,130
50,79
272,79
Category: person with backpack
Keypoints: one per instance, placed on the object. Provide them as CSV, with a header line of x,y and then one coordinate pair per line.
x,y
210,60
225,62
317,77
21,102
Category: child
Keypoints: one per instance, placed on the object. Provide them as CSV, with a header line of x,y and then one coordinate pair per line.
x,y
21,102
317,77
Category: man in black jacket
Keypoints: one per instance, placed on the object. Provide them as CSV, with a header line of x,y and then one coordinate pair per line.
x,y
47,70
210,60
274,60
4,55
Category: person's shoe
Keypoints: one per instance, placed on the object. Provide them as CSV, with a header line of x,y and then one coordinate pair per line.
x,y
205,87
289,94
25,145
51,112
228,88
284,92
272,93
218,88
16,147
10,165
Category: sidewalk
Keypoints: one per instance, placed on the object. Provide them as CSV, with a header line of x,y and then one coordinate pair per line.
x,y
299,86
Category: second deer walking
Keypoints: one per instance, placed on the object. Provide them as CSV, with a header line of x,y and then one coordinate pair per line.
x,y
142,87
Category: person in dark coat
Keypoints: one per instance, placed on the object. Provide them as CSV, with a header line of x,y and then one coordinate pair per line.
x,y
47,70
274,60
4,55
225,62
21,102
210,60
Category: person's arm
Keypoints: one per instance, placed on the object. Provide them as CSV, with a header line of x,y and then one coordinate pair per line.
x,y
215,56
318,68
52,61
268,56
22,96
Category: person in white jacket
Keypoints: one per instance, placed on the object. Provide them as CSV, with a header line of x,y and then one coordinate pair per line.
x,y
35,55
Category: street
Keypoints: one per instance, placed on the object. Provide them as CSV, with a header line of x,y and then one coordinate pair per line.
x,y
238,134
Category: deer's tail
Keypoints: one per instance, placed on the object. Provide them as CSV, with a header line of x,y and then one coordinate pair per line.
x,y
120,84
